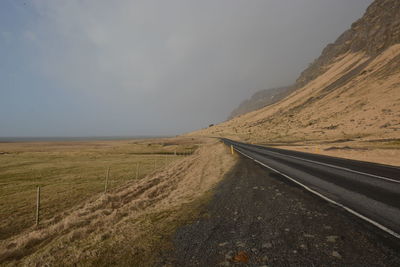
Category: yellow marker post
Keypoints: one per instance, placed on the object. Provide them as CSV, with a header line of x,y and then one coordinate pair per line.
x,y
232,149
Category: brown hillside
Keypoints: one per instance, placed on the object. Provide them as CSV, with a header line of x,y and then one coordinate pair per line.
x,y
349,96
377,30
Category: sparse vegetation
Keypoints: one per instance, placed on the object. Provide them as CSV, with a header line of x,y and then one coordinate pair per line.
x,y
70,172
130,224
145,249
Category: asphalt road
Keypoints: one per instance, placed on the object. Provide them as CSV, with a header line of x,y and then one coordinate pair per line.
x,y
258,217
367,190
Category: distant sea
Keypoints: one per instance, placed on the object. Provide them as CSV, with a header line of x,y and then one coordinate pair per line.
x,y
76,138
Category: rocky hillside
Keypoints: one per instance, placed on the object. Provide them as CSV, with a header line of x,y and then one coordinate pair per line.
x,y
261,99
377,30
351,93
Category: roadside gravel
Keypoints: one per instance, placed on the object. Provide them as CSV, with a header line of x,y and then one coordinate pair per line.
x,y
257,218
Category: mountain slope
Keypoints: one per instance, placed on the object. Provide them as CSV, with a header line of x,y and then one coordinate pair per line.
x,y
351,92
377,30
261,99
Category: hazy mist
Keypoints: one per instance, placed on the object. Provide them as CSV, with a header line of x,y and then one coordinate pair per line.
x,y
74,68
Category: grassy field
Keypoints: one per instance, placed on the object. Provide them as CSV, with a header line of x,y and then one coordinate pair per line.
x,y
131,225
70,172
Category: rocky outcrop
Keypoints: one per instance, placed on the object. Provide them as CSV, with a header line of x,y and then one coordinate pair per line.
x,y
377,30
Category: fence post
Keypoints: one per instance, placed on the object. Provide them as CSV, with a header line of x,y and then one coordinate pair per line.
x,y
137,170
106,184
37,205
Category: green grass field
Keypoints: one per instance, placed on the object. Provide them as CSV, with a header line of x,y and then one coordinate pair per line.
x,y
70,172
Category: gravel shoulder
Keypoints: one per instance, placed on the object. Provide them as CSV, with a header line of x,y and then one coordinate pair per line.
x,y
257,218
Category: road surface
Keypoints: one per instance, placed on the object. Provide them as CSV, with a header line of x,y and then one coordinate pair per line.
x,y
258,217
367,190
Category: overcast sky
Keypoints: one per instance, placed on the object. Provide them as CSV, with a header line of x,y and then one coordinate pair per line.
x,y
102,67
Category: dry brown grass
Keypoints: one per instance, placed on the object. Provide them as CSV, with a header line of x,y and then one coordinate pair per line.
x,y
127,225
70,172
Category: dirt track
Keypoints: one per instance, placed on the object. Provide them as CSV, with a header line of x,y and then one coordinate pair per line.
x,y
256,218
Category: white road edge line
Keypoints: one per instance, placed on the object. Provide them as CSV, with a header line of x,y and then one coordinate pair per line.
x,y
338,167
380,226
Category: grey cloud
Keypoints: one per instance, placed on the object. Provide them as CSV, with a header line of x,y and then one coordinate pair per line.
x,y
165,67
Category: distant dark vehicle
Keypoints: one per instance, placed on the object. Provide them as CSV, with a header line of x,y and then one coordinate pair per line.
x,y
211,125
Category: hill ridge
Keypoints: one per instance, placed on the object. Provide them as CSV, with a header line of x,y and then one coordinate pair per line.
x,y
348,97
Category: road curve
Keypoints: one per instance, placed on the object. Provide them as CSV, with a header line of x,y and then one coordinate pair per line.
x,y
367,190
